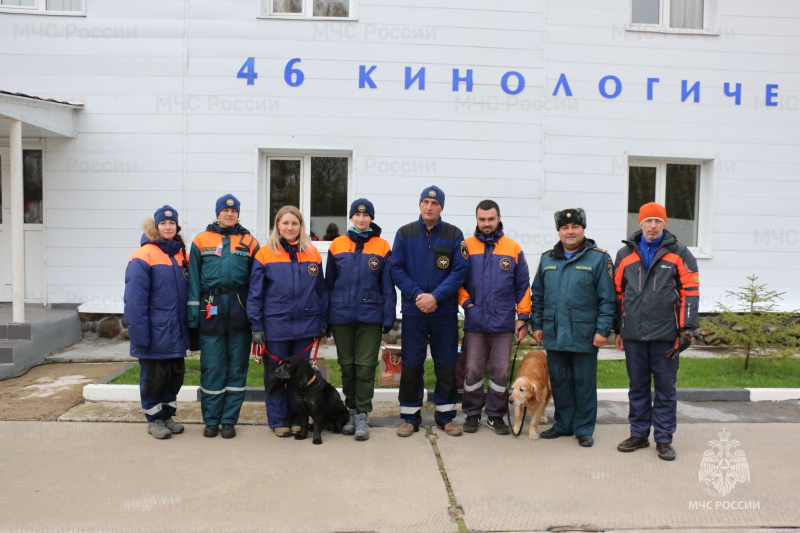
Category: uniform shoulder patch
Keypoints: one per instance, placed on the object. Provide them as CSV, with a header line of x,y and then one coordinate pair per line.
x,y
600,250
464,251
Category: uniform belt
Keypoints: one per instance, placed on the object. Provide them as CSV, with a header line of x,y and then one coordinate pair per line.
x,y
225,290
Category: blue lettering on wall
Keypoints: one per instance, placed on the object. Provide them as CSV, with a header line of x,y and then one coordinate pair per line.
x,y
562,82
457,78
617,86
520,82
364,77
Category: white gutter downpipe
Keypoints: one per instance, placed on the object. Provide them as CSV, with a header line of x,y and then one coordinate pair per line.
x,y
17,235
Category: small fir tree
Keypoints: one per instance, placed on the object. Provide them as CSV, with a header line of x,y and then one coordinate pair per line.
x,y
753,326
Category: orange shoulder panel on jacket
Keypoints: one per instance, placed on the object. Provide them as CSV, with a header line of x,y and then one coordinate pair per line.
x,y
340,244
474,246
265,256
506,246
152,255
207,239
377,246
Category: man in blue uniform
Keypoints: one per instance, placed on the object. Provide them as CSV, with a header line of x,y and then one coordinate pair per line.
x,y
429,264
573,302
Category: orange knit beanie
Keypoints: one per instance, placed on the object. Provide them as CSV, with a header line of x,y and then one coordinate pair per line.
x,y
652,210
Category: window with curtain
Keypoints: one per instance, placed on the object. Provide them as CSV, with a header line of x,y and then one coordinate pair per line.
x,y
43,6
680,14
309,8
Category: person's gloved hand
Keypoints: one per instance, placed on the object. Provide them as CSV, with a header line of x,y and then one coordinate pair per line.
x,y
329,332
682,342
386,329
194,339
323,333
258,337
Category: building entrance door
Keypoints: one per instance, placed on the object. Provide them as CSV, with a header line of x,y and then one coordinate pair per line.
x,y
33,227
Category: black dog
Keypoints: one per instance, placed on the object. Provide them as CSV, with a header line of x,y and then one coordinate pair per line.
x,y
315,397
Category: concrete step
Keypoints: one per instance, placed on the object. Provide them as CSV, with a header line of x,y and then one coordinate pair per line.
x,y
7,349
25,345
15,331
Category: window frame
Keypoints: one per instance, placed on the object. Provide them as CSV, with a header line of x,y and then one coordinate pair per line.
x,y
709,17
304,155
703,249
265,12
40,8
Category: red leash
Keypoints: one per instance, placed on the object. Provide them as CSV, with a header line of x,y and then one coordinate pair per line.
x,y
260,351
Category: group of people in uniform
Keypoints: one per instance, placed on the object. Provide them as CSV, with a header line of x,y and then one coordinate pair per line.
x,y
276,298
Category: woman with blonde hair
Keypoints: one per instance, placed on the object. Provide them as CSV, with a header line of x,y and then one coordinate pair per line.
x,y
287,307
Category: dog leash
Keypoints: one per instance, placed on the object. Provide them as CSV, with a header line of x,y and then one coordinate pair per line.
x,y
508,395
259,351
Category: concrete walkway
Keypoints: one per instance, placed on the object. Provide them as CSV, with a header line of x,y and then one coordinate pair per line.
x,y
96,469
70,477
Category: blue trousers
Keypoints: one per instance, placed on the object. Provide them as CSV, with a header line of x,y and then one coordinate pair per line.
x,y
160,380
646,360
281,404
441,332
573,380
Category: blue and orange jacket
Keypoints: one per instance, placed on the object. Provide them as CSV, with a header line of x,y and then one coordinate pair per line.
x,y
655,304
221,258
433,262
287,299
359,279
155,300
497,284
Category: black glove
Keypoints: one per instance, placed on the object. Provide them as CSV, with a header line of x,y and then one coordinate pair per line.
x,y
194,339
329,332
323,333
258,337
682,342
386,329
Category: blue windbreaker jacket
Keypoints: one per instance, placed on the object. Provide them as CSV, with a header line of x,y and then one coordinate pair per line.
x,y
359,280
287,298
433,262
155,300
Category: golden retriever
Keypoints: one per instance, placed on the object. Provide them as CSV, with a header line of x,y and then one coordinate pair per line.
x,y
532,391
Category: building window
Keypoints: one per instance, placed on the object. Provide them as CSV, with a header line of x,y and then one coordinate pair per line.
x,y
50,7
676,186
317,185
309,9
669,14
32,180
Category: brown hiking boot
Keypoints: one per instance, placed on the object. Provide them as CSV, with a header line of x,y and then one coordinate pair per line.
x,y
452,429
407,429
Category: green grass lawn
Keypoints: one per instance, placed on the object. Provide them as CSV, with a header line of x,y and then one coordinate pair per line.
x,y
693,373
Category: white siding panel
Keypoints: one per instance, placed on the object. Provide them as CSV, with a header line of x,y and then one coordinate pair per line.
x,y
131,181
60,157
143,200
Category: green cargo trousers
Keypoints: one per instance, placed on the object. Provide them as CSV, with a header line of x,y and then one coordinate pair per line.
x,y
357,348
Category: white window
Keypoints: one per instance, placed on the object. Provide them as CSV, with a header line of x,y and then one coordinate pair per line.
x,y
32,187
671,15
310,9
678,185
49,7
316,184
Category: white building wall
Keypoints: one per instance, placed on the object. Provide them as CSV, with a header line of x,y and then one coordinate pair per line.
x,y
167,121
750,212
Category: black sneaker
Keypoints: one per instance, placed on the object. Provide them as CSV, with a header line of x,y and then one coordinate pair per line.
x,y
472,423
228,431
498,425
211,431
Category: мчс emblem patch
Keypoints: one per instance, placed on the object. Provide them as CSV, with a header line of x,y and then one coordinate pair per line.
x,y
505,263
464,251
313,269
362,208
374,263
443,262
